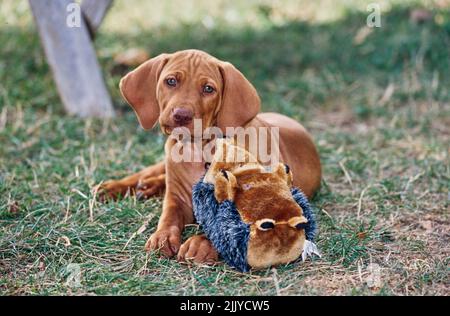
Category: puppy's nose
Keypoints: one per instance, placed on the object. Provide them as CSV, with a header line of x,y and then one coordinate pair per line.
x,y
182,116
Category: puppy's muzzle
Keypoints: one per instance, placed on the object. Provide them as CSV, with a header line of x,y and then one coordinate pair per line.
x,y
182,116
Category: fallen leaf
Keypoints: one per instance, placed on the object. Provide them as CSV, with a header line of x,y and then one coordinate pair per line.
x,y
132,57
41,266
362,34
420,15
443,4
388,92
361,235
13,207
66,241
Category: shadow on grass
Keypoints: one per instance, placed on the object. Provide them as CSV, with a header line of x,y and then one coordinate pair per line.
x,y
294,66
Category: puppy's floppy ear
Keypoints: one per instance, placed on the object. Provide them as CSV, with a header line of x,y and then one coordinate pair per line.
x,y
240,101
139,90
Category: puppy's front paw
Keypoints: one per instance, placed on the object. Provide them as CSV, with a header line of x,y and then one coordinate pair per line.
x,y
198,249
166,241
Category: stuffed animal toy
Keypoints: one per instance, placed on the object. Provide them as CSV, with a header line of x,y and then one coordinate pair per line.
x,y
254,217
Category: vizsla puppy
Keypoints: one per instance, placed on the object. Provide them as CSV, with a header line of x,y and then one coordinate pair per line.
x,y
174,89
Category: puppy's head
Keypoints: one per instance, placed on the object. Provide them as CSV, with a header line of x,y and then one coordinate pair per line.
x,y
175,89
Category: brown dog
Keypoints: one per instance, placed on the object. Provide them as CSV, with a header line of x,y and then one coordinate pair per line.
x,y
175,89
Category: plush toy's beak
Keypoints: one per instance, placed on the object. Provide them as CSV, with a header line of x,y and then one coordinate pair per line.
x,y
309,249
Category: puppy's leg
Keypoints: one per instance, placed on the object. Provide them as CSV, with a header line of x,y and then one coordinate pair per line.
x,y
167,238
199,249
149,186
146,183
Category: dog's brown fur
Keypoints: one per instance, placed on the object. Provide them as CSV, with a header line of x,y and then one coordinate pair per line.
x,y
234,103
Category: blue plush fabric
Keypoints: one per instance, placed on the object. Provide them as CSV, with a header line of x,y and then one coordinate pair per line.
x,y
302,200
223,226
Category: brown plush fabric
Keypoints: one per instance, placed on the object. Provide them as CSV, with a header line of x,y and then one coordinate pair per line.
x,y
260,196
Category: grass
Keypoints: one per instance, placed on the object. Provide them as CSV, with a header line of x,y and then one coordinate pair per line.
x,y
377,104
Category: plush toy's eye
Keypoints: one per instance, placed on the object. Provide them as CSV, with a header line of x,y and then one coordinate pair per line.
x,y
207,165
287,168
301,226
299,222
224,173
265,224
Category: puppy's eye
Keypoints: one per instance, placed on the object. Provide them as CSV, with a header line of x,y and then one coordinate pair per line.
x,y
171,82
265,224
208,89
